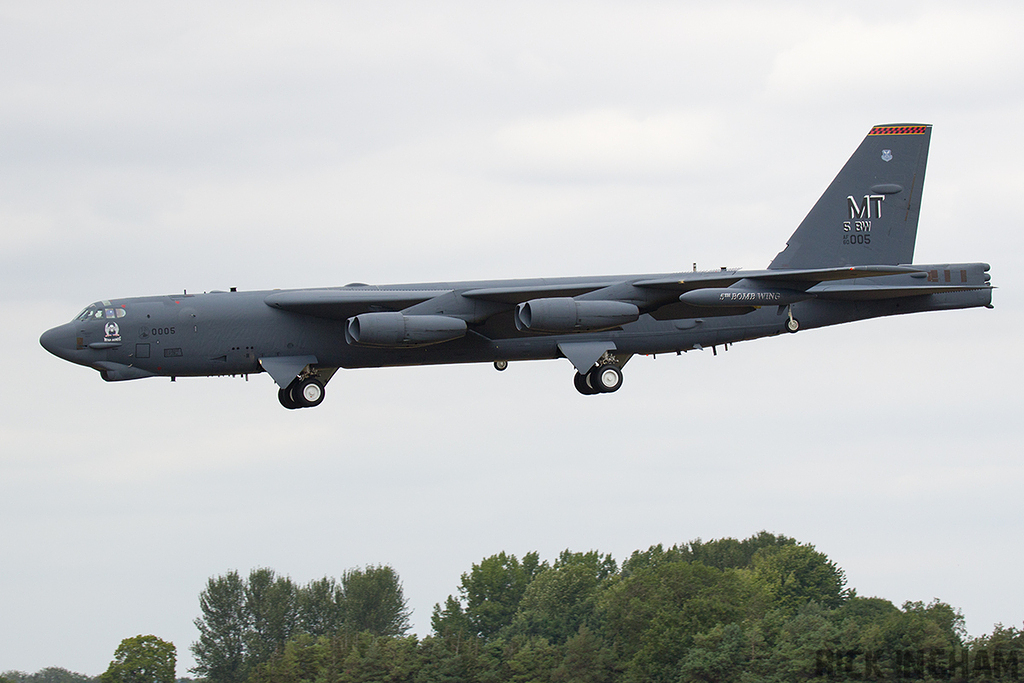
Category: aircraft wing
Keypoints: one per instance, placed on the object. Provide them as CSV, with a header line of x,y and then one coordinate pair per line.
x,y
517,294
805,277
870,292
341,303
344,302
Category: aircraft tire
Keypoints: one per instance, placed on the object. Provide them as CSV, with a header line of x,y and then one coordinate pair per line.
x,y
606,378
792,325
308,393
582,385
285,397
501,365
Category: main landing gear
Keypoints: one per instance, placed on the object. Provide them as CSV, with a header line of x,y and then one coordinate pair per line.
x,y
600,379
304,392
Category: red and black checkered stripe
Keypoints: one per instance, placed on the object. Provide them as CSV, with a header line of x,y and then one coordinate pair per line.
x,y
898,130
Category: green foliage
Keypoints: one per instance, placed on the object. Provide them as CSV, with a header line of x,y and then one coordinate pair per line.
x,y
373,601
726,553
321,608
142,659
52,674
587,659
220,652
303,658
493,589
796,574
246,623
653,616
723,553
561,599
760,610
719,654
271,606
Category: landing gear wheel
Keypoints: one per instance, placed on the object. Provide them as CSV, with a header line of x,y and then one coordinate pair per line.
x,y
285,397
606,378
583,386
308,392
501,365
792,324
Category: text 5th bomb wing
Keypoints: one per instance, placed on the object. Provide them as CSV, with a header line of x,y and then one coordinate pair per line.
x,y
850,259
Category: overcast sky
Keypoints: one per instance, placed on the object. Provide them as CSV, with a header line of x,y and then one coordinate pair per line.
x,y
150,148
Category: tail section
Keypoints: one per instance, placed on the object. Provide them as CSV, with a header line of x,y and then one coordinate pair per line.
x,y
868,215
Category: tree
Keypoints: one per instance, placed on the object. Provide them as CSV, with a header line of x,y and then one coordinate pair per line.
x,y
51,674
717,655
652,617
320,607
561,599
797,574
373,601
492,591
48,675
220,652
271,605
142,659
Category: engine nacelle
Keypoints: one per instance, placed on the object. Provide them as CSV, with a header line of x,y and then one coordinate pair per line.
x,y
565,314
730,297
396,329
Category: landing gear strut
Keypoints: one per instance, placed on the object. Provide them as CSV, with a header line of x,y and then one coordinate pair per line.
x,y
792,324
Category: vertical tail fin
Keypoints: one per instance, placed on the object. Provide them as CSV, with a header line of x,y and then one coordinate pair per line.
x,y
868,215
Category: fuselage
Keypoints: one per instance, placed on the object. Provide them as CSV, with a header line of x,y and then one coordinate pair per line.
x,y
228,333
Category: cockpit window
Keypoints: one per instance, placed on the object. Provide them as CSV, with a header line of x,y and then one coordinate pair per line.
x,y
95,313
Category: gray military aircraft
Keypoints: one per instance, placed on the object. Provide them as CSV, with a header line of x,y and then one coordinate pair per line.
x,y
848,260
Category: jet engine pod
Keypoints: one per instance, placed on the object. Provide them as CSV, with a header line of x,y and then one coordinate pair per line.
x,y
565,314
728,296
396,329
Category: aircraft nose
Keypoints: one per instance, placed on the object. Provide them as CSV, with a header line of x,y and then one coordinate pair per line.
x,y
58,341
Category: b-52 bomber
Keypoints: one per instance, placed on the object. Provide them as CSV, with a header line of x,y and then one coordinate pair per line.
x,y
850,259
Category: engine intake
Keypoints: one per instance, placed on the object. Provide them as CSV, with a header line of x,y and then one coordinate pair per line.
x,y
565,314
397,330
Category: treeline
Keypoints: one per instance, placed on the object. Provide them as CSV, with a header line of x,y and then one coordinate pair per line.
x,y
52,674
762,609
56,674
248,622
